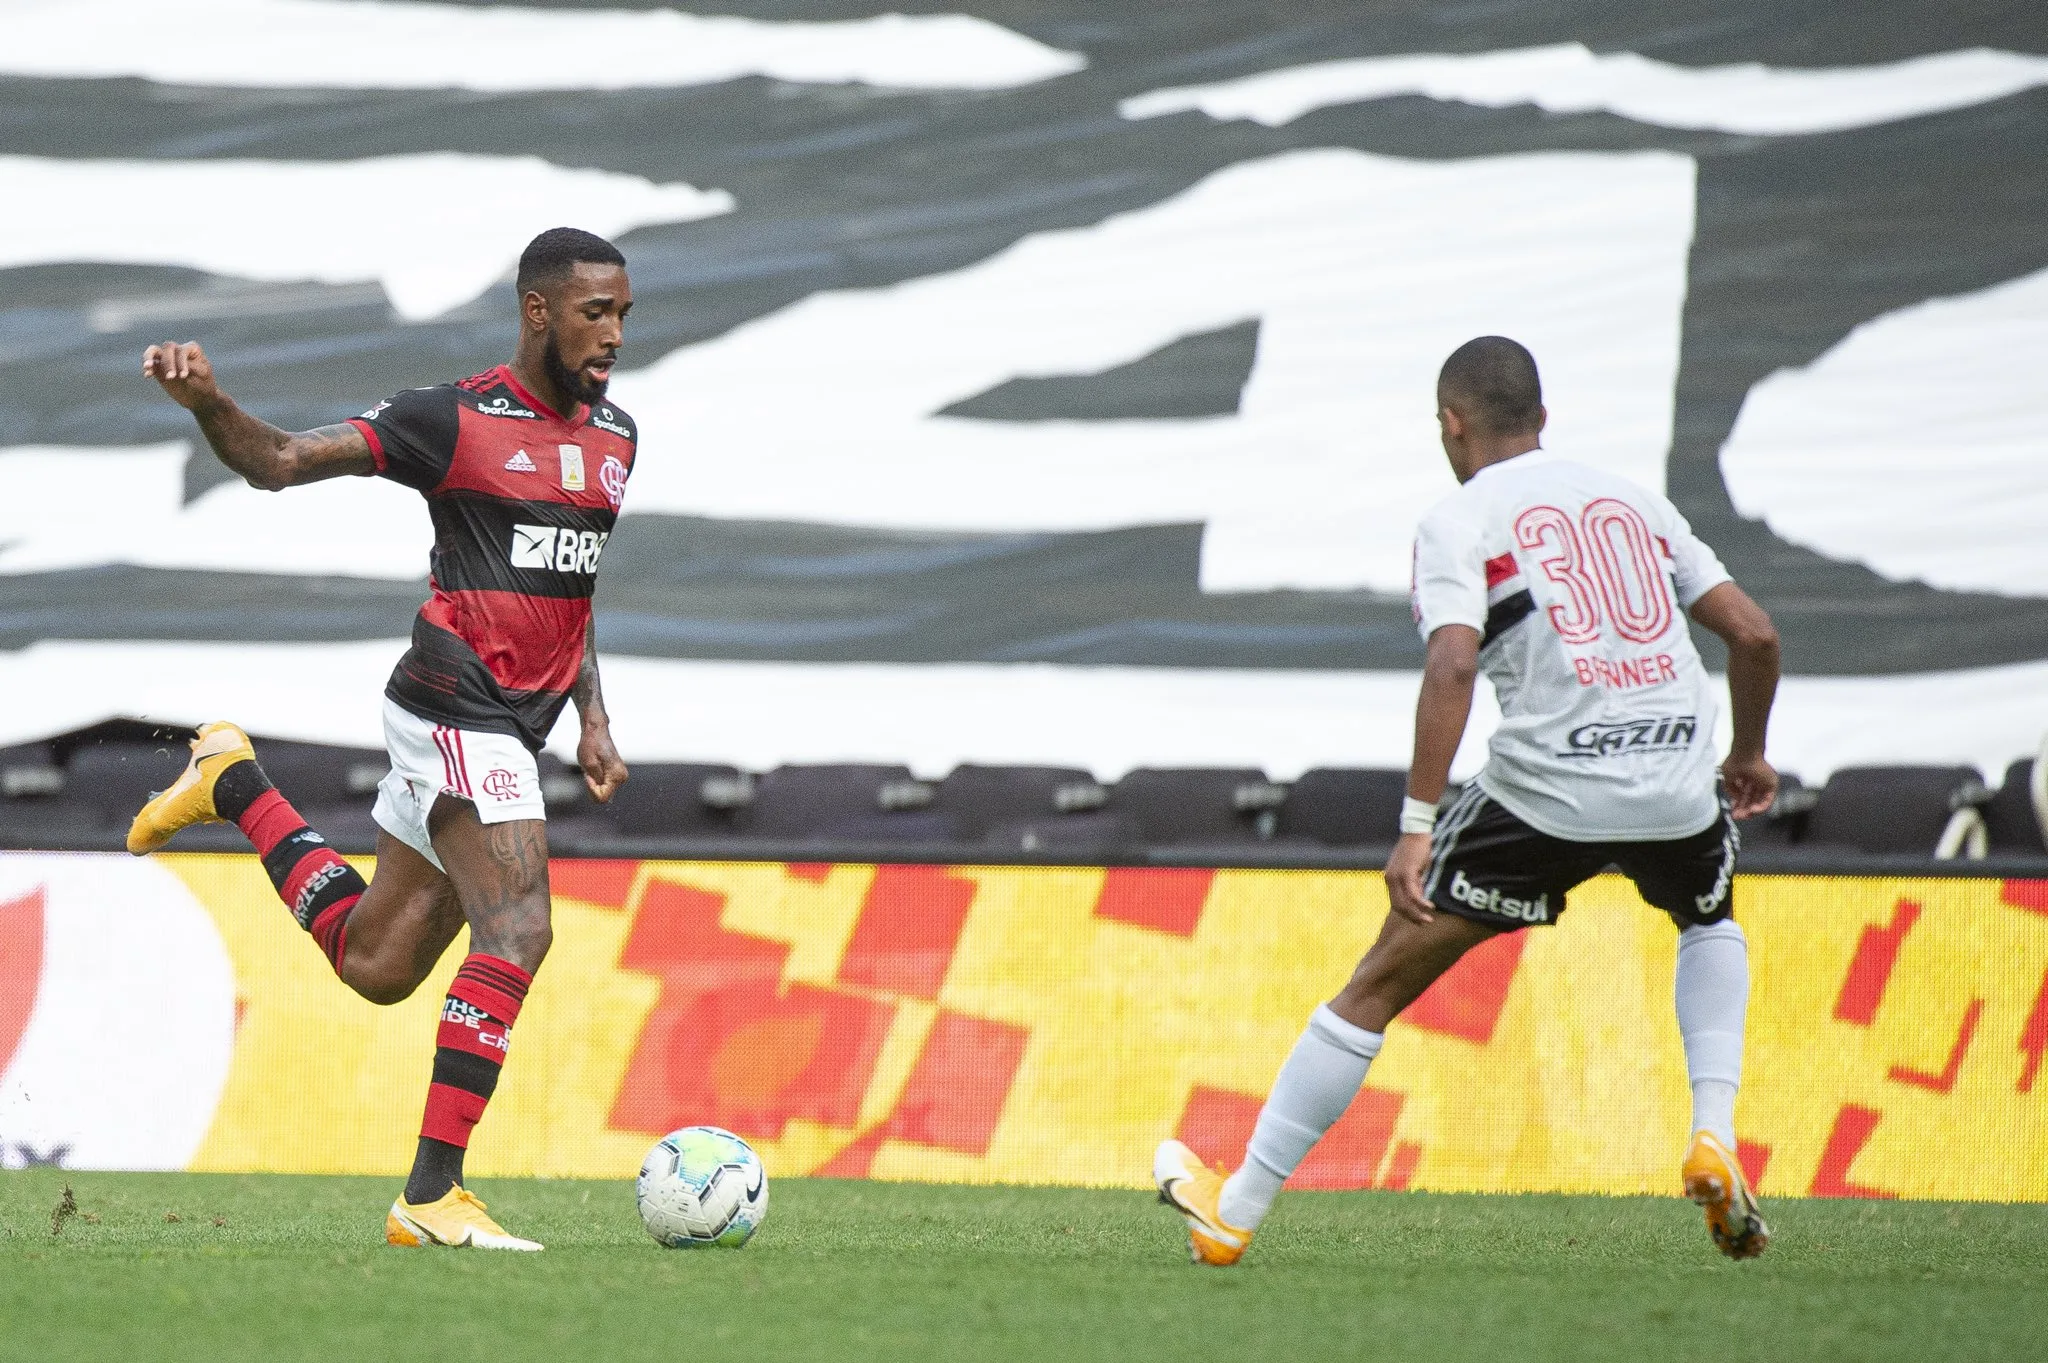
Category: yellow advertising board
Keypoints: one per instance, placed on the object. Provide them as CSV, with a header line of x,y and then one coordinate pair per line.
x,y
1051,1024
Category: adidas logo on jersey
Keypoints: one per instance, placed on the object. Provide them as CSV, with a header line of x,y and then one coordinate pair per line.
x,y
521,463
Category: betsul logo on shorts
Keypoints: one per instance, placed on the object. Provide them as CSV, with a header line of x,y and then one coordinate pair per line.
x,y
1535,910
502,784
559,548
1659,733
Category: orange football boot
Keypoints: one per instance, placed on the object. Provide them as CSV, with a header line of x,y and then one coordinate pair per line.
x,y
457,1217
1193,1191
1713,1178
190,799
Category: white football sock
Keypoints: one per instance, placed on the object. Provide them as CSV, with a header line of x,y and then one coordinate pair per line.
x,y
1711,991
1322,1075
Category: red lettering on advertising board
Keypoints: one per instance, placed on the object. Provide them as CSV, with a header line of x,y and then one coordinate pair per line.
x,y
1846,1139
1165,898
909,925
955,1094
1755,1157
727,1043
21,967
1945,1081
607,884
2034,1038
953,1099
1870,969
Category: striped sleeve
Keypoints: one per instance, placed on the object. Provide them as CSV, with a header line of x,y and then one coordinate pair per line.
x,y
1450,573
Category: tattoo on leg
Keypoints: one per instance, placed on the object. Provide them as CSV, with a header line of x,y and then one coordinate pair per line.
x,y
508,916
520,849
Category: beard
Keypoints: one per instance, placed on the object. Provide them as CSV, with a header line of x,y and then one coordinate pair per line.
x,y
574,382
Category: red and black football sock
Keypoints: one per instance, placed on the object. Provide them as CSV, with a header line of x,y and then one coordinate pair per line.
x,y
316,884
469,1051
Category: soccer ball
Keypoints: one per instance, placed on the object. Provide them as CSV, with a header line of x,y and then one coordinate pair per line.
x,y
702,1186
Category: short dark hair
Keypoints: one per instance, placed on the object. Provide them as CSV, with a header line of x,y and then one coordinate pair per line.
x,y
552,254
1492,382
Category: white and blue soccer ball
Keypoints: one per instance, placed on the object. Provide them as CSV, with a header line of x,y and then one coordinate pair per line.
x,y
702,1186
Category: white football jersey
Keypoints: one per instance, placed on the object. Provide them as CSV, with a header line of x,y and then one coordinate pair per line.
x,y
1578,582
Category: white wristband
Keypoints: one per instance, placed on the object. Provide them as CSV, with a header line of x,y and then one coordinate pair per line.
x,y
1417,816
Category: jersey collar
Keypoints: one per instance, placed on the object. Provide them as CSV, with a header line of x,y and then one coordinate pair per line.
x,y
1539,455
506,377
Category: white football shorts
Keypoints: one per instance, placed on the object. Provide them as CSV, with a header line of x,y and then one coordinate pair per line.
x,y
493,772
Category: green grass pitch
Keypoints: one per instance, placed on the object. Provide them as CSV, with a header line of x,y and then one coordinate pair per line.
x,y
182,1266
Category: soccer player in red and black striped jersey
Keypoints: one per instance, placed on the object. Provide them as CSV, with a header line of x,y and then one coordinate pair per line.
x,y
524,468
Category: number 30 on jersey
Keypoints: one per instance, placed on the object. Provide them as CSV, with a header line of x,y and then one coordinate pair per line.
x,y
1606,563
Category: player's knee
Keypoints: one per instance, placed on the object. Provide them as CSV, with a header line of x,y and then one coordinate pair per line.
x,y
379,983
521,935
1721,929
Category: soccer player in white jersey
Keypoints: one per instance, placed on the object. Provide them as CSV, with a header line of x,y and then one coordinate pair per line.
x,y
1570,587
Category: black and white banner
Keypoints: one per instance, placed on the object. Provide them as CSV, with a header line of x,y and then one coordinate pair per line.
x,y
1034,381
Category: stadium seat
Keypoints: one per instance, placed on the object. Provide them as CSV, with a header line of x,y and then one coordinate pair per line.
x,y
1898,810
115,777
846,802
1083,834
2016,818
30,772
320,776
678,800
1198,806
978,799
34,809
1345,807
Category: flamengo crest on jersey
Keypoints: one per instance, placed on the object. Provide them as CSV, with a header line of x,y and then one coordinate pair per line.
x,y
1578,582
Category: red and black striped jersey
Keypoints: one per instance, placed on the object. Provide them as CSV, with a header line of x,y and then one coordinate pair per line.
x,y
523,500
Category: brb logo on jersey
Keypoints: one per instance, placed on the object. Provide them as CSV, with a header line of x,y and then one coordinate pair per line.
x,y
559,548
612,478
1667,733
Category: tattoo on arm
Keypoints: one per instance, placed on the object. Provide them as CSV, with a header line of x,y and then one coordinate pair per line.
x,y
587,694
329,452
270,458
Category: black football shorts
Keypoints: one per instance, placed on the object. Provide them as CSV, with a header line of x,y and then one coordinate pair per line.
x,y
1487,865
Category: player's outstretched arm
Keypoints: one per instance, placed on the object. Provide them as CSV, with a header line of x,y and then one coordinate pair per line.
x,y
1448,673
604,771
263,455
1752,685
